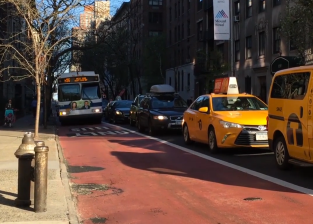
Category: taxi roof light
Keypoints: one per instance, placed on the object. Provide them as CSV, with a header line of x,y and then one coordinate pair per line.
x,y
226,85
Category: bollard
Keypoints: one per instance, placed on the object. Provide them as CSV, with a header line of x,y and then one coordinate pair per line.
x,y
25,186
41,177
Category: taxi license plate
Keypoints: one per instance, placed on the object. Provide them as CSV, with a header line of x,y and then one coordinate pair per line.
x,y
261,136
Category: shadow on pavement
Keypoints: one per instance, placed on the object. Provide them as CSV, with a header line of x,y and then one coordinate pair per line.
x,y
11,203
171,161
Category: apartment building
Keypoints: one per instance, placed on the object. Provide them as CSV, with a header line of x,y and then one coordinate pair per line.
x,y
13,31
93,18
147,18
189,31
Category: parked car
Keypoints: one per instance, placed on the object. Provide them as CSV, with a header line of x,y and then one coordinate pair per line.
x,y
134,108
119,111
162,109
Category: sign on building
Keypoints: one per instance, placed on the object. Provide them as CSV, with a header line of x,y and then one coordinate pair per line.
x,y
221,19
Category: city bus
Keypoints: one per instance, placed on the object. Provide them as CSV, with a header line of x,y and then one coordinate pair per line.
x,y
79,97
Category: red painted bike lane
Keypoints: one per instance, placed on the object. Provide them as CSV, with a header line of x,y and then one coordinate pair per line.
x,y
121,177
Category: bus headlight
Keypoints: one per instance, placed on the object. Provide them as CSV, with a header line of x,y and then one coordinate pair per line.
x,y
118,112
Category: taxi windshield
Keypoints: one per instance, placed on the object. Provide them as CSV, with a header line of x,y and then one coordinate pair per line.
x,y
240,103
160,102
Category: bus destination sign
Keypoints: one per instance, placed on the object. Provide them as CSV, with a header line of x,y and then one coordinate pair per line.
x,y
78,79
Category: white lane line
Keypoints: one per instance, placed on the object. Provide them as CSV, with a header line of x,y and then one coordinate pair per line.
x,y
256,154
230,165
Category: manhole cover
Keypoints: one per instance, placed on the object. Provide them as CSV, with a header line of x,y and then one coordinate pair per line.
x,y
252,199
83,169
98,220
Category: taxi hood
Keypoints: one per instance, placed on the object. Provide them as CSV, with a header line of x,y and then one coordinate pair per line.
x,y
243,117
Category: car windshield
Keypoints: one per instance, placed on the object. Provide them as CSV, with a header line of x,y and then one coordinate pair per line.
x,y
69,92
237,104
90,91
123,104
160,102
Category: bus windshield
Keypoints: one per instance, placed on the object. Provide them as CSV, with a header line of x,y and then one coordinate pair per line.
x,y
69,92
90,91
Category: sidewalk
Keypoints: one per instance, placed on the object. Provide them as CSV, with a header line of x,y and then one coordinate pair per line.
x,y
60,207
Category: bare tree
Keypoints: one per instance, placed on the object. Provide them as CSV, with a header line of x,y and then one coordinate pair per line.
x,y
41,39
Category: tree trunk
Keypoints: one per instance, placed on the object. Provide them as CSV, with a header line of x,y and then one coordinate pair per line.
x,y
37,111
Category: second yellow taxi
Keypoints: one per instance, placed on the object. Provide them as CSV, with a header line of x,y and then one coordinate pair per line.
x,y
226,118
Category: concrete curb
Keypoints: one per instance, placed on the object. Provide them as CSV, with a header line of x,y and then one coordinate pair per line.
x,y
72,214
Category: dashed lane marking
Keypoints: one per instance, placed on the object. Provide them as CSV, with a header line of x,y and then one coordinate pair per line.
x,y
227,164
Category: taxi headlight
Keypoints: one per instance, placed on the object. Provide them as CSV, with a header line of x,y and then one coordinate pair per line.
x,y
118,112
230,124
160,117
96,110
62,113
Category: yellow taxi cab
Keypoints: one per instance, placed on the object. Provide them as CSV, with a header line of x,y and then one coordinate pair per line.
x,y
290,120
226,118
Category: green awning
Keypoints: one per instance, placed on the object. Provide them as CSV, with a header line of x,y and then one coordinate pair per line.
x,y
284,62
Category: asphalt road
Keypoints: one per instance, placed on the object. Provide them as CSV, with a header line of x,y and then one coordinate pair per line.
x,y
259,160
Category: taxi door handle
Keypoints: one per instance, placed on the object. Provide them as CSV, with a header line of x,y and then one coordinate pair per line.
x,y
301,112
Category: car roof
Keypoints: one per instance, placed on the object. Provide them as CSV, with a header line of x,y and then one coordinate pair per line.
x,y
294,69
228,95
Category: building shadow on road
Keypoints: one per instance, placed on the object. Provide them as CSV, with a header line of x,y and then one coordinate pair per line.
x,y
160,158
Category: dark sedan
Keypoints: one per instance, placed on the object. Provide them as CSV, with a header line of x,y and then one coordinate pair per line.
x,y
119,111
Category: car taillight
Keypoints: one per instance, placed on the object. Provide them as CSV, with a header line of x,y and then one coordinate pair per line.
x,y
267,123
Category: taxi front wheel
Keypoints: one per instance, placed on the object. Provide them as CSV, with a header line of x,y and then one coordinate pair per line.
x,y
187,139
212,141
281,153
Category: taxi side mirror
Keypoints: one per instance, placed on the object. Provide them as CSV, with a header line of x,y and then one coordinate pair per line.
x,y
204,109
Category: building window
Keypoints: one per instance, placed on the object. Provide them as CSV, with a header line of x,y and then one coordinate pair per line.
x,y
188,80
178,8
182,80
153,33
276,40
188,2
237,8
182,7
178,81
237,50
170,81
175,10
200,4
170,14
276,2
292,45
261,5
188,28
249,8
155,2
178,32
170,37
248,47
175,34
220,48
200,30
182,31
261,43
155,17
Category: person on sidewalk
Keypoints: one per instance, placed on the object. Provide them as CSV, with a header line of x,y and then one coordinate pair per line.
x,y
9,105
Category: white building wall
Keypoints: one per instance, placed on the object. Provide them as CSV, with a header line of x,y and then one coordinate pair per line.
x,y
186,82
